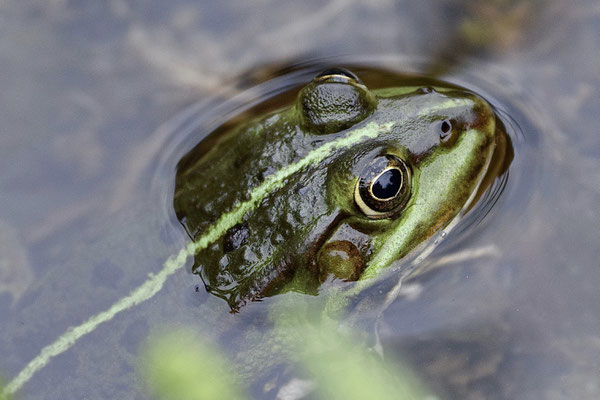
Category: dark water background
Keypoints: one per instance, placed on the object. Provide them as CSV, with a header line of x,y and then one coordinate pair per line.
x,y
88,147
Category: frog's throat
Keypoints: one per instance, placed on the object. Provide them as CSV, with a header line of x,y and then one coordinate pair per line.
x,y
155,282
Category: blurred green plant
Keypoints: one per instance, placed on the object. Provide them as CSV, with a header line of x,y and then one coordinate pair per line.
x,y
345,369
3,396
182,366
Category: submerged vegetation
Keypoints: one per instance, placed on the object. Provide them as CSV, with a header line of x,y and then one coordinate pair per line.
x,y
181,366
3,396
344,369
327,363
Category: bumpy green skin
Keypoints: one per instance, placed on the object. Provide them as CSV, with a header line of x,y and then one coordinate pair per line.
x,y
282,186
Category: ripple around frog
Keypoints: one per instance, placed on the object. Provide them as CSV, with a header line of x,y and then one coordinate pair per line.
x,y
244,98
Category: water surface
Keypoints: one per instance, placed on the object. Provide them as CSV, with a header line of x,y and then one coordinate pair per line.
x,y
97,104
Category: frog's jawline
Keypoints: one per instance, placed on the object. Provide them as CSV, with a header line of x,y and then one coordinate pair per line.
x,y
286,270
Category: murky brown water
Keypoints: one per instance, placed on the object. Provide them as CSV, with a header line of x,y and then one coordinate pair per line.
x,y
99,101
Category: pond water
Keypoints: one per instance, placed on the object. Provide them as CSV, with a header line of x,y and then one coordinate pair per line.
x,y
100,100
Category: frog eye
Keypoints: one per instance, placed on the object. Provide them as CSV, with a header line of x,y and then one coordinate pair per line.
x,y
333,101
383,187
341,75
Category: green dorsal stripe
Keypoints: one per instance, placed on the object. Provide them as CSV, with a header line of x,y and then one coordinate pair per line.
x,y
277,180
155,282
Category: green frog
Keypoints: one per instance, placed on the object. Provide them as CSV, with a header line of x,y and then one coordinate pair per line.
x,y
336,187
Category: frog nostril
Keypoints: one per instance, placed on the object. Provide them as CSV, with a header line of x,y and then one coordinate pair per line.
x,y
445,129
235,237
446,126
426,90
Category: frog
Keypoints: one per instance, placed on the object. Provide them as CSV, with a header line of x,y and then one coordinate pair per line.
x,y
335,187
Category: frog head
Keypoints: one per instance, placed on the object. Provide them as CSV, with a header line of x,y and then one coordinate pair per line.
x,y
338,185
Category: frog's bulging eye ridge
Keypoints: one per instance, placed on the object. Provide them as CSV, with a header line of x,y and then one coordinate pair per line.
x,y
383,187
335,100
341,75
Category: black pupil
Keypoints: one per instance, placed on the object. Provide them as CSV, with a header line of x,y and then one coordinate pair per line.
x,y
387,185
